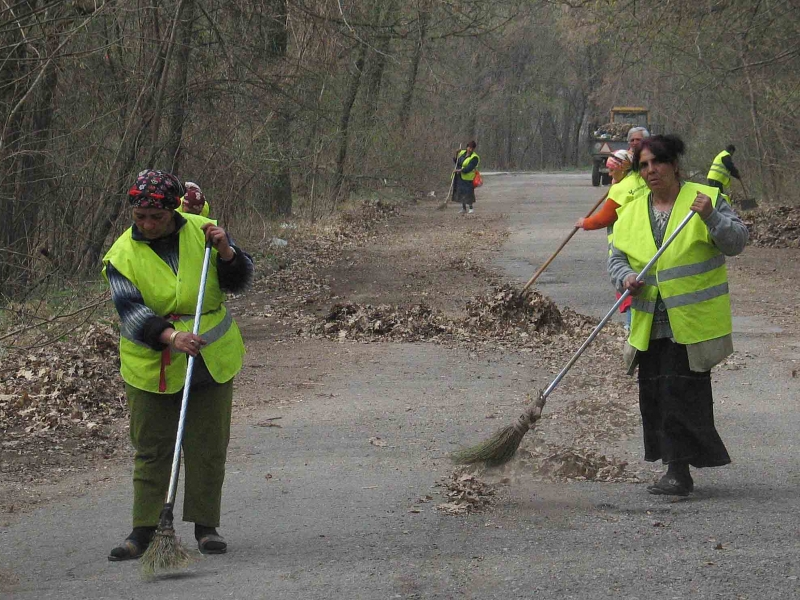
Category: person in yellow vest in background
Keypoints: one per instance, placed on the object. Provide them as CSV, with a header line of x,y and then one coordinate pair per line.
x,y
722,169
194,201
681,325
154,271
467,162
625,184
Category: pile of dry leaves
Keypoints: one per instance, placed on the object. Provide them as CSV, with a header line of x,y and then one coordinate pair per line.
x,y
774,227
62,398
465,493
502,318
579,464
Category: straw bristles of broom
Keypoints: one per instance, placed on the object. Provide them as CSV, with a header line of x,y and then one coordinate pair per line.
x,y
501,447
165,553
443,204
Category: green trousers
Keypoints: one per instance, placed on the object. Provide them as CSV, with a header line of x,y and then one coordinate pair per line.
x,y
153,428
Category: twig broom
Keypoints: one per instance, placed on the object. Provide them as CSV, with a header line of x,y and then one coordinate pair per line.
x,y
166,552
450,192
502,446
443,203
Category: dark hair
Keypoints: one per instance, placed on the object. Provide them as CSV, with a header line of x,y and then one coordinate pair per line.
x,y
666,148
472,145
730,148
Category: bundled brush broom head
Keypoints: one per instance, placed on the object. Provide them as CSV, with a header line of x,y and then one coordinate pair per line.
x,y
165,552
501,447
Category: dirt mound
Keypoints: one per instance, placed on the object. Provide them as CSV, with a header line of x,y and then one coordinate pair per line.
x,y
774,227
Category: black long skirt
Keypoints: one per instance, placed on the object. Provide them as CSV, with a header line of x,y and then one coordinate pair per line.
x,y
464,192
677,409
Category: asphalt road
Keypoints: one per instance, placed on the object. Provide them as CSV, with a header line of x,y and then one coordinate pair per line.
x,y
313,510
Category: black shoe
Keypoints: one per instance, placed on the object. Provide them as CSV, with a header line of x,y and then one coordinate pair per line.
x,y
209,541
134,545
671,486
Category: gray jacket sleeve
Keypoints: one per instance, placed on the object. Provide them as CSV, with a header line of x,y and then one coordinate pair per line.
x,y
727,231
618,268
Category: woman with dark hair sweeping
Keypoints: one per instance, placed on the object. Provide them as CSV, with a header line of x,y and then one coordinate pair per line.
x,y
154,270
467,162
681,325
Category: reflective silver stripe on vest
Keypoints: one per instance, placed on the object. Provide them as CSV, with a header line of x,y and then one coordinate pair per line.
x,y
210,336
651,280
648,306
693,269
695,297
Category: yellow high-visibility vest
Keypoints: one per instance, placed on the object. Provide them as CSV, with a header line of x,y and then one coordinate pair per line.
x,y
623,192
471,175
690,276
174,297
718,171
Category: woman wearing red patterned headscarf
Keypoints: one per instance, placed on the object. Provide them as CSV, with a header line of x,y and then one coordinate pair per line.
x,y
194,200
154,270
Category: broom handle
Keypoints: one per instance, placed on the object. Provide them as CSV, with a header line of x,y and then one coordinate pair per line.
x,y
564,243
617,304
176,456
744,187
452,184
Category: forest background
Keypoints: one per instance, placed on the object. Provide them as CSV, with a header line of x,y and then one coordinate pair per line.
x,y
280,107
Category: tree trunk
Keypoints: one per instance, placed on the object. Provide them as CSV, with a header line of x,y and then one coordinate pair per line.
x,y
173,149
377,65
30,135
165,54
344,122
411,83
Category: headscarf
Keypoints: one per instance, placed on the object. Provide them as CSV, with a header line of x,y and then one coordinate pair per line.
x,y
156,189
621,159
194,195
